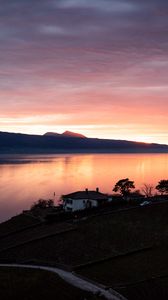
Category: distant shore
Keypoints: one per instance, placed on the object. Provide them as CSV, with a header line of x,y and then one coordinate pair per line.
x,y
78,151
35,144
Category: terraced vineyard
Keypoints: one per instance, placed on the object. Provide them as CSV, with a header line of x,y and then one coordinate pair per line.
x,y
118,249
130,268
153,289
93,239
17,223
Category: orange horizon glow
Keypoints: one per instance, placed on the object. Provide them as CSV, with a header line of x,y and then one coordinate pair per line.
x,y
121,114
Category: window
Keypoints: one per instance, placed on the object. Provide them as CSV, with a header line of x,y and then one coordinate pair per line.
x,y
68,201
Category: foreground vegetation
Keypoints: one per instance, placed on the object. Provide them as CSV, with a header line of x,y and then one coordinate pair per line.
x,y
124,187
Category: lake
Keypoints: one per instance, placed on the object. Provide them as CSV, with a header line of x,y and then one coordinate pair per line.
x,y
25,179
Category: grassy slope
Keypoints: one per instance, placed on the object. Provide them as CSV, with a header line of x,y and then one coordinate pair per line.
x,y
27,284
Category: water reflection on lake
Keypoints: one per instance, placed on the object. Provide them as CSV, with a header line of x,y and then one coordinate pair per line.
x,y
25,179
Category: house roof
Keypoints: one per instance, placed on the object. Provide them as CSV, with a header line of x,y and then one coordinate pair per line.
x,y
94,195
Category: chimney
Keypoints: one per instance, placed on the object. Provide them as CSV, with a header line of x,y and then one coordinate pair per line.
x,y
97,190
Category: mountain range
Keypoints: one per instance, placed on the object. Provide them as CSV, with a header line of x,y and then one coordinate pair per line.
x,y
70,142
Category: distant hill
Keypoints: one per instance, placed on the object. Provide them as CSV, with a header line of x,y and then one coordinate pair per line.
x,y
65,134
73,134
71,143
52,134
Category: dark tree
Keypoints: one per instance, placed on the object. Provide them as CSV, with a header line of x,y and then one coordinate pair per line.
x,y
162,186
124,186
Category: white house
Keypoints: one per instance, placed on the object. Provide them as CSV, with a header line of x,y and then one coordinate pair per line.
x,y
84,199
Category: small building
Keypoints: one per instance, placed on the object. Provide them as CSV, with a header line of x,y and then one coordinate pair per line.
x,y
84,199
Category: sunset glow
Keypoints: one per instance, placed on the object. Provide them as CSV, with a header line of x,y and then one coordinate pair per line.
x,y
72,172
99,68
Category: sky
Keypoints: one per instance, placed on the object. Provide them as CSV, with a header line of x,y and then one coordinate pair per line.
x,y
97,67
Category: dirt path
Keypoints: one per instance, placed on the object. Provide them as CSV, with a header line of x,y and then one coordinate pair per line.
x,y
74,280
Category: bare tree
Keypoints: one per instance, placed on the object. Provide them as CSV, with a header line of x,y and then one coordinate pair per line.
x,y
147,190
